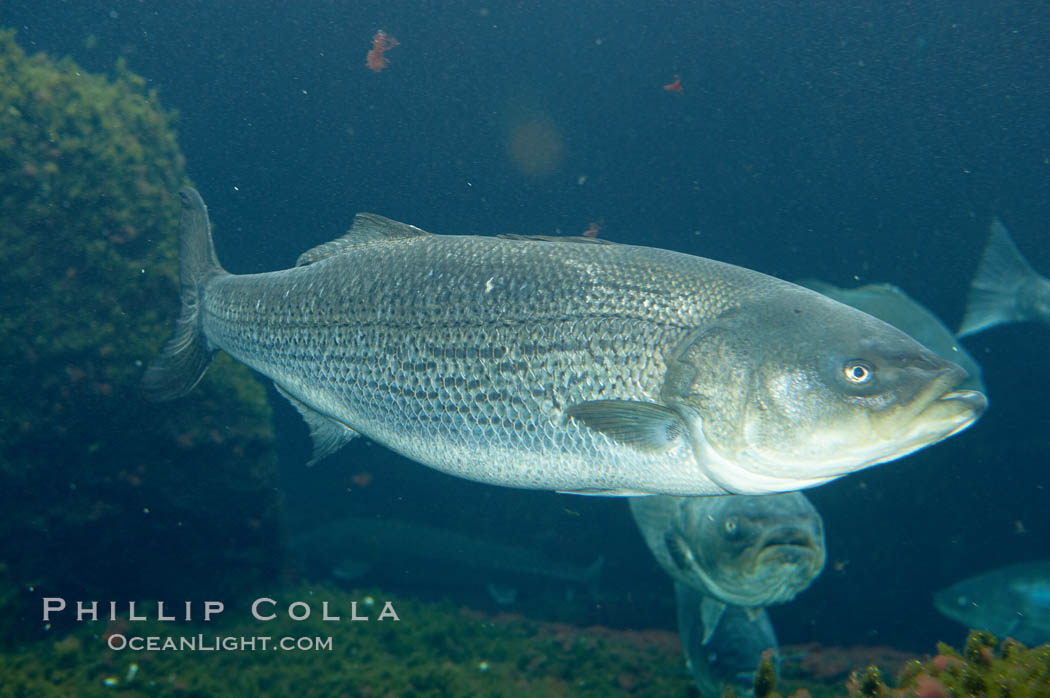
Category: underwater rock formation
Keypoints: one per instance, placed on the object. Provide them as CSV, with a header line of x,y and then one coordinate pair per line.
x,y
98,489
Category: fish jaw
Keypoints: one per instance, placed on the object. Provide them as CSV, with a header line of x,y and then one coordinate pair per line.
x,y
870,439
789,556
941,411
947,415
795,565
737,476
789,542
774,574
939,408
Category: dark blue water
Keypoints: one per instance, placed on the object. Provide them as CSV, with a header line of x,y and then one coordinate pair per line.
x,y
845,141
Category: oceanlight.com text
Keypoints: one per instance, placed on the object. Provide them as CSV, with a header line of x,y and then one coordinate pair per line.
x,y
216,643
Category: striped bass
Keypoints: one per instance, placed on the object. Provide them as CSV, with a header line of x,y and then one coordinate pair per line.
x,y
564,364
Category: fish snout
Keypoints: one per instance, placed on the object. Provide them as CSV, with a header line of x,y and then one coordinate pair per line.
x,y
972,400
936,412
952,409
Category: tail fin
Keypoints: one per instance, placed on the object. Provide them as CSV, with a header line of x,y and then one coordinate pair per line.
x,y
186,356
592,577
993,293
593,573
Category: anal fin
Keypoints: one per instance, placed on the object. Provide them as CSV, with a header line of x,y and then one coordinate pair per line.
x,y
327,434
600,492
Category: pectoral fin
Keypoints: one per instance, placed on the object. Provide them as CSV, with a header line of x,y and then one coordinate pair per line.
x,y
351,570
645,426
710,613
503,595
328,435
679,552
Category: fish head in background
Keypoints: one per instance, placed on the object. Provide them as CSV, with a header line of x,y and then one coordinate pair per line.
x,y
1011,601
732,550
748,551
801,389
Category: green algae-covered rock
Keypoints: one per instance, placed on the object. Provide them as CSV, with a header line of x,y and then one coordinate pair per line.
x,y
97,488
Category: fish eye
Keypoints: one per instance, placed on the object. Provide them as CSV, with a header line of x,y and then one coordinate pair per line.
x,y
730,525
857,371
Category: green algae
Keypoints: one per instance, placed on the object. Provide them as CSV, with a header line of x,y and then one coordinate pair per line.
x,y
94,484
986,668
983,668
765,683
867,683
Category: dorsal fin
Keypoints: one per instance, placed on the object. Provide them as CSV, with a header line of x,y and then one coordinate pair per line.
x,y
556,238
367,228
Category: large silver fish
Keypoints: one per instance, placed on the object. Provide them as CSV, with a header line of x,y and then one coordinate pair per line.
x,y
562,365
734,551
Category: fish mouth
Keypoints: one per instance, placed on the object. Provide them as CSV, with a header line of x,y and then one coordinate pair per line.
x,y
936,413
787,536
789,561
974,399
949,413
789,545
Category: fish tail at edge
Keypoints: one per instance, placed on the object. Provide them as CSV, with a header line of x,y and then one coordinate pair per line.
x,y
993,293
185,358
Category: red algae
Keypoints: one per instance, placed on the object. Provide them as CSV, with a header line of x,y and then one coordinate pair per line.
x,y
928,687
381,43
941,662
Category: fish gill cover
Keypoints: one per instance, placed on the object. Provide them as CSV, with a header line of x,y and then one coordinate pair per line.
x,y
88,169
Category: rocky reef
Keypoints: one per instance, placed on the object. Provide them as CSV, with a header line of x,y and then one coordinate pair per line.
x,y
100,491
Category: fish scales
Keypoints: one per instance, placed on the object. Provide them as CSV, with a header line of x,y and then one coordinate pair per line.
x,y
470,346
564,365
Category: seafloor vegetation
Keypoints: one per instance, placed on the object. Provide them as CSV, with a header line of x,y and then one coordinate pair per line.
x,y
438,649
99,490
